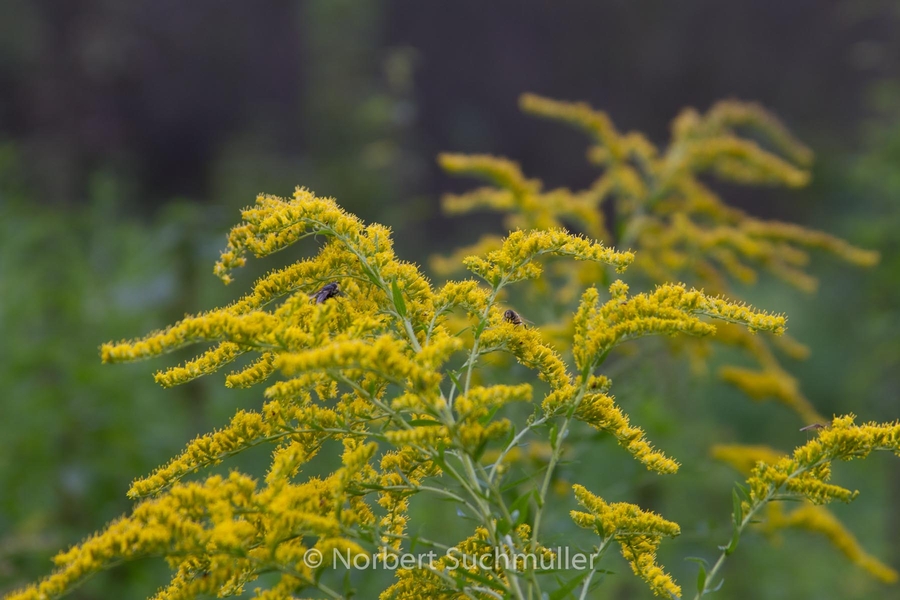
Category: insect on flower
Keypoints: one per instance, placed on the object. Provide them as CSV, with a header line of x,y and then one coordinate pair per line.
x,y
511,316
328,291
814,426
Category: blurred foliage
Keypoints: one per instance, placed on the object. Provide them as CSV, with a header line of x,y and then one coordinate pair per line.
x,y
74,433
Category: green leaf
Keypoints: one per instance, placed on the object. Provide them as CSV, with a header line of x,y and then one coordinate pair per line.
x,y
701,574
462,331
370,274
733,544
480,328
737,517
349,590
737,514
512,484
464,576
479,451
425,423
440,461
565,589
503,526
399,302
520,504
454,377
485,419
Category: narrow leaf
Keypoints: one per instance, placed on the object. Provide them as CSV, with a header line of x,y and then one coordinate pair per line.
x,y
399,302
425,423
480,327
701,574
737,514
565,590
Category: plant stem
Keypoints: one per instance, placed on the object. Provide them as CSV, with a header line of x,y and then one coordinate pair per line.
x,y
513,443
596,556
554,460
746,520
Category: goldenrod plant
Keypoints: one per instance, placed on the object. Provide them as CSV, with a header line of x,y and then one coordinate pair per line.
x,y
660,205
359,354
810,515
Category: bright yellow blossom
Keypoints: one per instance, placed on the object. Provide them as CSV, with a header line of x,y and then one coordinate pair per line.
x,y
817,519
638,533
806,472
390,367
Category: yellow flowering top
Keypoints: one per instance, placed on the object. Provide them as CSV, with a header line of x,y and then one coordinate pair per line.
x,y
664,209
357,353
638,533
805,473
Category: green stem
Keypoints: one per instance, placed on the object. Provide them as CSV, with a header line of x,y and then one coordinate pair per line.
x,y
473,354
513,443
594,557
472,485
554,460
746,520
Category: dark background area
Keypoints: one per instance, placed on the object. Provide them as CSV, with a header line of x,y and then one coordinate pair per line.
x,y
165,94
132,132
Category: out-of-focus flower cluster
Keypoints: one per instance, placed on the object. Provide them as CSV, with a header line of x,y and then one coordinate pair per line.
x,y
804,476
661,205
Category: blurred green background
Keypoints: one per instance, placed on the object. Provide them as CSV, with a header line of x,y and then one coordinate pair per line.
x,y
132,132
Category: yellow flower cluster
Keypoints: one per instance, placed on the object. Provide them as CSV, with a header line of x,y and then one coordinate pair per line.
x,y
439,581
817,519
670,309
218,535
743,457
514,260
402,470
600,412
529,348
525,202
473,563
275,223
384,355
808,517
307,425
255,373
480,401
680,227
582,116
807,471
638,533
365,352
771,382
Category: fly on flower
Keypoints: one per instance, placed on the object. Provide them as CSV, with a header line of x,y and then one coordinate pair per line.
x,y
328,291
511,316
814,426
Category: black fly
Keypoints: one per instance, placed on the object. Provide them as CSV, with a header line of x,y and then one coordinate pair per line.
x,y
328,291
511,316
